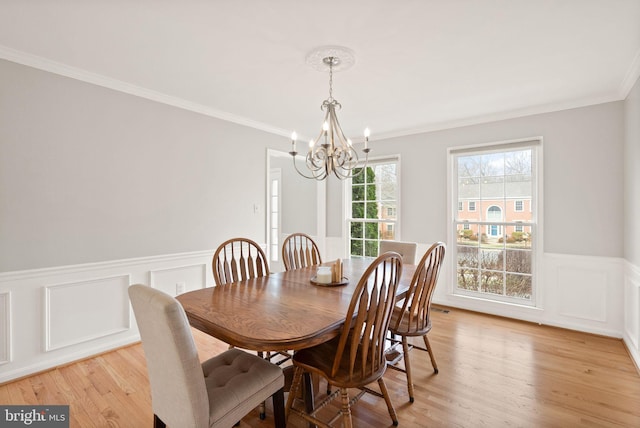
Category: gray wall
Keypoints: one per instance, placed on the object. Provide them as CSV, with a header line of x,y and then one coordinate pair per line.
x,y
90,174
632,176
583,177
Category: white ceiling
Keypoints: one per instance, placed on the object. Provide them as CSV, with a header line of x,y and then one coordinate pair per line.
x,y
419,64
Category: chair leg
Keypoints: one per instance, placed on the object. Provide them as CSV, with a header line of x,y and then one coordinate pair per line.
x,y
262,408
157,422
345,408
308,392
293,391
407,367
278,409
263,411
387,399
430,350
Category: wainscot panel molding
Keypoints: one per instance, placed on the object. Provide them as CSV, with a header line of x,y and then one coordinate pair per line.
x,y
104,311
583,293
5,327
632,311
53,316
180,279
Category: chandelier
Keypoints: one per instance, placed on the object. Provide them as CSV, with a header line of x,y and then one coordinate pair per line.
x,y
331,152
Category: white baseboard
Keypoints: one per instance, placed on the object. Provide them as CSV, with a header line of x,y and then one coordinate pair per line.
x,y
632,311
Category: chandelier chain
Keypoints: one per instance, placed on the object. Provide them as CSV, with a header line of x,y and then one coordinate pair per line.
x,y
331,78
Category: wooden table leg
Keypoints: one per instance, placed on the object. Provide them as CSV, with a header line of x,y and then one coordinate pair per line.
x,y
309,400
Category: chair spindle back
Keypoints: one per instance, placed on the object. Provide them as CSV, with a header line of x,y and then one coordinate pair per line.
x,y
299,251
370,309
416,307
239,259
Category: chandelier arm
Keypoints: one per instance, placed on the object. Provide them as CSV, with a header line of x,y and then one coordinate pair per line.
x,y
295,166
347,158
359,173
316,158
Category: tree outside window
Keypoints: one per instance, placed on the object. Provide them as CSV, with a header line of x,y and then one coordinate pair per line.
x,y
373,208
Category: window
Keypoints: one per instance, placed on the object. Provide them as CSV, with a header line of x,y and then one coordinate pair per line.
x,y
374,207
460,206
518,205
472,206
274,226
494,247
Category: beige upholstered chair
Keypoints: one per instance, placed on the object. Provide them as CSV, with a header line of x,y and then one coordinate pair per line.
x,y
411,317
355,358
238,259
406,249
299,251
185,393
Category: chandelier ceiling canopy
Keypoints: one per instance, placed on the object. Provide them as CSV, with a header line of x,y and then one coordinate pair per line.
x,y
331,152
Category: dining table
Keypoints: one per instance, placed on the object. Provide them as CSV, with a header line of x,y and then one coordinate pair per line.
x,y
282,311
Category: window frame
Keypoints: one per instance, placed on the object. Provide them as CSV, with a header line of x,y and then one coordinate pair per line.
x,y
483,301
346,190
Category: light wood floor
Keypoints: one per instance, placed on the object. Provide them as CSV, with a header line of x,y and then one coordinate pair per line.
x,y
494,372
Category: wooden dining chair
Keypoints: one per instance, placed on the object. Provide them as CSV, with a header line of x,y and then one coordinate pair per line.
x,y
299,251
238,259
406,249
355,358
184,393
411,317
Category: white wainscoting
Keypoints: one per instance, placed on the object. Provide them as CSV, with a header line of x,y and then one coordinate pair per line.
x,y
632,311
5,327
104,311
53,316
582,293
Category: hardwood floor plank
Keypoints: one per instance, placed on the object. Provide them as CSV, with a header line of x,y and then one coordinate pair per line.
x,y
494,372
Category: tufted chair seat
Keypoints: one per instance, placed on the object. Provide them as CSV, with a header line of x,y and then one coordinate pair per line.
x,y
187,394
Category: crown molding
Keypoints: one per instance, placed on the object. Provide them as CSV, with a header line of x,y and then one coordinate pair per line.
x,y
45,64
631,77
498,116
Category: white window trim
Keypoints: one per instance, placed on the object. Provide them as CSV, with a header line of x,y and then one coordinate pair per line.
x,y
496,306
346,206
515,206
475,204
